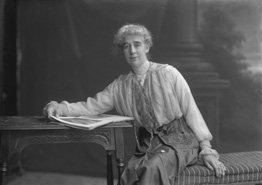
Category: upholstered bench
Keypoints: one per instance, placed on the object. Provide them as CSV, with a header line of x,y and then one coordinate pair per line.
x,y
242,168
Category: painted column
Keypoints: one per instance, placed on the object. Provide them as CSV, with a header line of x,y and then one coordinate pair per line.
x,y
178,43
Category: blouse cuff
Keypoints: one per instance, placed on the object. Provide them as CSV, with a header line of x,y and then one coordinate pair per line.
x,y
205,143
208,151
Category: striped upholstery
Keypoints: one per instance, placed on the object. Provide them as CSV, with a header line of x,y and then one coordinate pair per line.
x,y
243,167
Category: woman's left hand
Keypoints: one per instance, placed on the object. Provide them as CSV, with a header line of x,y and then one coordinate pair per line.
x,y
214,164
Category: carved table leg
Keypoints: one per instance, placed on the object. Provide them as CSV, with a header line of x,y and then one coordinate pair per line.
x,y
119,152
21,170
109,168
120,167
4,155
3,171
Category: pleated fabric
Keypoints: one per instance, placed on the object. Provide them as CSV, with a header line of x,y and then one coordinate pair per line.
x,y
161,152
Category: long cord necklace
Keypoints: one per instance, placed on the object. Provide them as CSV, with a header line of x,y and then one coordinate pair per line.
x,y
141,78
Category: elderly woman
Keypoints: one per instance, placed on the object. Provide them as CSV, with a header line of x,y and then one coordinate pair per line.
x,y
169,128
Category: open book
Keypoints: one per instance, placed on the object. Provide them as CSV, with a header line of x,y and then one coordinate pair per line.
x,y
90,122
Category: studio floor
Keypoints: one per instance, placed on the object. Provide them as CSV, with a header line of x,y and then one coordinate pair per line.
x,y
41,178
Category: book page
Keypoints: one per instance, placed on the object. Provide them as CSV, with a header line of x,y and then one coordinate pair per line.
x,y
90,122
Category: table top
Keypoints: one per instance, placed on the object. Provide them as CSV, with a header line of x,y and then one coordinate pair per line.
x,y
41,123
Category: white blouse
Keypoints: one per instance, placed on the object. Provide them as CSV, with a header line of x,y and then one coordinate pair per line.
x,y
169,93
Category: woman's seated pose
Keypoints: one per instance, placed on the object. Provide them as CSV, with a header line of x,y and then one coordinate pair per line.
x,y
169,128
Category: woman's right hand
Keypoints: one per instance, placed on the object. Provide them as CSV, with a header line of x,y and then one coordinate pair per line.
x,y
53,109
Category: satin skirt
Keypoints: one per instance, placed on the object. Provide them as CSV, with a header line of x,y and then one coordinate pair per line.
x,y
161,155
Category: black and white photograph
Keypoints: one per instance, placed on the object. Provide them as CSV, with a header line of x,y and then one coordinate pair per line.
x,y
130,92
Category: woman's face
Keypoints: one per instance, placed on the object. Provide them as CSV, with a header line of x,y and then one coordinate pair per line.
x,y
135,50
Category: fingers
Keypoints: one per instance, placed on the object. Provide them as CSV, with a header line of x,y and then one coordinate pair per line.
x,y
223,168
51,112
52,109
219,169
48,112
209,166
57,113
215,165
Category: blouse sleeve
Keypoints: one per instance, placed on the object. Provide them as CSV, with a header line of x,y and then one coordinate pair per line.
x,y
100,103
189,108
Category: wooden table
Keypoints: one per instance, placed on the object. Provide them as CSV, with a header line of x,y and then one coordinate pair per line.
x,y
19,132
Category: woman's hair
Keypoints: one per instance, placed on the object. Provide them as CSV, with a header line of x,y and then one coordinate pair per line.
x,y
132,29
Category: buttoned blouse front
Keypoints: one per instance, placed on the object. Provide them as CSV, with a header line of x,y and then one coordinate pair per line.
x,y
167,90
